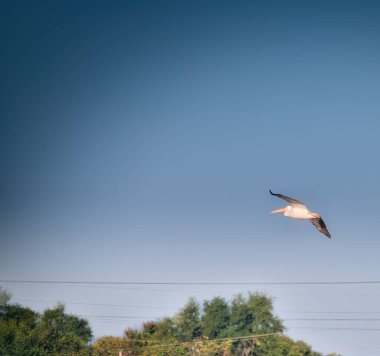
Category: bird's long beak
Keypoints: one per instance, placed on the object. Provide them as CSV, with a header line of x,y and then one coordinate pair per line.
x,y
278,211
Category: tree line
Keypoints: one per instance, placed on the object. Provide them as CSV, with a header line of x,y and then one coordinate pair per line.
x,y
244,326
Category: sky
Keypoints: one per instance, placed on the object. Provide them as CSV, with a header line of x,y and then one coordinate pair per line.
x,y
139,141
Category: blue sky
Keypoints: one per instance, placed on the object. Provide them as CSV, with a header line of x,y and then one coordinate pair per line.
x,y
139,140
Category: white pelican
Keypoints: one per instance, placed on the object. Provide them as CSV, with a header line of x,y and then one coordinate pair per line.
x,y
298,210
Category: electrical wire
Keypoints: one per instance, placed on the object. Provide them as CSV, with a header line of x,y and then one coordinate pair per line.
x,y
332,319
95,304
168,308
177,344
186,283
336,328
118,317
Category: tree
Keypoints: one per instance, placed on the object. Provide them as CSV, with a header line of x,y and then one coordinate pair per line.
x,y
210,347
107,345
25,332
187,321
261,308
217,330
166,329
280,345
241,317
16,326
60,332
216,317
4,297
251,315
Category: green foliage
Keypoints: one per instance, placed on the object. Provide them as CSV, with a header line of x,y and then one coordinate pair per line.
x,y
261,309
16,330
166,329
4,296
25,332
216,318
241,317
253,315
60,332
279,345
187,321
109,345
212,331
210,347
216,330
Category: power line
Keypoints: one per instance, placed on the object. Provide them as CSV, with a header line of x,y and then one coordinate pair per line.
x,y
285,319
186,283
122,319
336,328
123,323
333,319
96,304
177,344
118,317
169,308
328,312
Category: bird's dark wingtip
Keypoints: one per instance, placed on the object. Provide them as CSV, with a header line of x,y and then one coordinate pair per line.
x,y
271,192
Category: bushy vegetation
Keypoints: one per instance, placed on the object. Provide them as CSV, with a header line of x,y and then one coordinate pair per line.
x,y
28,333
245,326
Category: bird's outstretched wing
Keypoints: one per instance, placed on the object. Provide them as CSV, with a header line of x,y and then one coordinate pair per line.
x,y
321,226
289,200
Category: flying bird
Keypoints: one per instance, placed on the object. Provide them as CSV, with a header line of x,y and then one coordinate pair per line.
x,y
298,210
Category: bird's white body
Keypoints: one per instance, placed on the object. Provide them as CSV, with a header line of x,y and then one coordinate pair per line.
x,y
298,212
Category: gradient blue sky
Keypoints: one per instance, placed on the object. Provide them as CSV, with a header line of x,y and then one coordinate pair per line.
x,y
139,140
